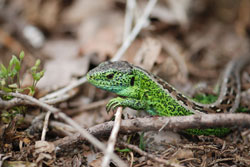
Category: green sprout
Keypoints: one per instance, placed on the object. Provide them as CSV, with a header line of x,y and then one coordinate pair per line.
x,y
10,82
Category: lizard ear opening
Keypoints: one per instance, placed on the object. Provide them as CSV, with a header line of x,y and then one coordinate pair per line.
x,y
132,81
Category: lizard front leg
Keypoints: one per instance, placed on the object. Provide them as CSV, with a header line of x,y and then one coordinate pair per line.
x,y
126,102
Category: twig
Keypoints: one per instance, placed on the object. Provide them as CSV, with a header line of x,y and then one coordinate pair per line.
x,y
62,128
220,160
63,116
3,158
132,159
63,97
130,6
112,138
141,22
163,126
36,123
196,71
12,103
176,123
45,125
151,156
172,48
62,91
87,107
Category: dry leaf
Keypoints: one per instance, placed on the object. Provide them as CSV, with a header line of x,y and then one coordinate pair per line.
x,y
43,13
64,65
148,53
19,164
88,119
183,154
96,163
81,10
158,140
44,147
102,34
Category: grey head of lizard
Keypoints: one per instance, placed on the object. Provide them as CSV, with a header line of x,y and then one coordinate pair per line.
x,y
116,77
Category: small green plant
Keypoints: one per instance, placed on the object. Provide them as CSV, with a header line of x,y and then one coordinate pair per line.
x,y
207,99
125,150
10,73
10,76
10,82
142,143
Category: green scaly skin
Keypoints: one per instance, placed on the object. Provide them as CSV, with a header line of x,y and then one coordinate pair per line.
x,y
141,90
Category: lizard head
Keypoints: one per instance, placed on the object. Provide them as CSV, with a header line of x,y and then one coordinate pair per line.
x,y
112,76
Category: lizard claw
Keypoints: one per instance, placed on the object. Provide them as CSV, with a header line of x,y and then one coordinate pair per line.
x,y
114,103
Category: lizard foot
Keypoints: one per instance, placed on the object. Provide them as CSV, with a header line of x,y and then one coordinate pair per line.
x,y
114,103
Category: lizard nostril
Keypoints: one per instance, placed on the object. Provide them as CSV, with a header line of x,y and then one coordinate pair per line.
x,y
89,76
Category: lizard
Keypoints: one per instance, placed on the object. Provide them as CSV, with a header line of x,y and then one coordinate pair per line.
x,y
141,90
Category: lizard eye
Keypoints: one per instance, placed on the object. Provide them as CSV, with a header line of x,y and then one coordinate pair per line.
x,y
132,81
110,76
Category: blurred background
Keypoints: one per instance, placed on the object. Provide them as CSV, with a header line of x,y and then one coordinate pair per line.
x,y
71,36
183,41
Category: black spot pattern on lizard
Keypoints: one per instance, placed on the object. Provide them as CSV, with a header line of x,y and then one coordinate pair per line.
x,y
199,108
214,107
181,98
228,109
165,86
225,101
234,92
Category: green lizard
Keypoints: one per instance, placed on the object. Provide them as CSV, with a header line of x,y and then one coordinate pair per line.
x,y
142,90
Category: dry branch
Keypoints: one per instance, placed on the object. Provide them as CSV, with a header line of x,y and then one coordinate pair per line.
x,y
112,138
176,123
151,156
12,103
64,117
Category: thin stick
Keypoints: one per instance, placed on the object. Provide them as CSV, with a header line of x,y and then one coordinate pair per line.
x,y
12,103
129,15
151,156
112,138
63,116
141,22
62,91
87,107
45,125
63,97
